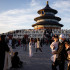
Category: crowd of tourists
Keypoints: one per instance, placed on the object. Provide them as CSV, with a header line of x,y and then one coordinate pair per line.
x,y
60,48
10,59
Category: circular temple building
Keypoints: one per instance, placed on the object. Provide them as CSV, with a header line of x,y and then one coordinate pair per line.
x,y
47,19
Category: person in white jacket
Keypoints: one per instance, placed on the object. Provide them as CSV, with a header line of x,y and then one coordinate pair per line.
x,y
30,48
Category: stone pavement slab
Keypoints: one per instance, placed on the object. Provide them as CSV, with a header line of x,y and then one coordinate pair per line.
x,y
40,60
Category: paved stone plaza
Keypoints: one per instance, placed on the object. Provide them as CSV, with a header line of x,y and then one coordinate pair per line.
x,y
40,60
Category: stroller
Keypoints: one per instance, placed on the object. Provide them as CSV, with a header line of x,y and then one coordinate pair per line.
x,y
67,45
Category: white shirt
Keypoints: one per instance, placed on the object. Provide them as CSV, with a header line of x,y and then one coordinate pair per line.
x,y
54,46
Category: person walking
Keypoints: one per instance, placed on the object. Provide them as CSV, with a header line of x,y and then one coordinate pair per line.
x,y
30,48
38,45
24,44
35,43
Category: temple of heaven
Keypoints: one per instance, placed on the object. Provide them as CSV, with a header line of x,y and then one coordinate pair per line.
x,y
47,19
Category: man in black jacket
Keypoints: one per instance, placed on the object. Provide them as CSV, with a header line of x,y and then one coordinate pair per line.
x,y
62,54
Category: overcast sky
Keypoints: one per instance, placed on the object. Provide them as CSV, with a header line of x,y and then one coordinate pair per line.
x,y
20,14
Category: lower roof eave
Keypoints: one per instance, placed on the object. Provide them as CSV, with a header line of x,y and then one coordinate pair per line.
x,y
41,24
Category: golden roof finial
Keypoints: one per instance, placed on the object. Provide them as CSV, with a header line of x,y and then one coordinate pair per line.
x,y
47,2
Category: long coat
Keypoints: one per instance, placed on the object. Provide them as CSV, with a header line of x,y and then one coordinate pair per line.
x,y
3,49
30,49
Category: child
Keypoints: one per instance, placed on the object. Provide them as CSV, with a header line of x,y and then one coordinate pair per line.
x,y
54,47
16,63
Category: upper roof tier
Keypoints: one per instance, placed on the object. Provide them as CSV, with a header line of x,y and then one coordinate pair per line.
x,y
47,9
47,17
